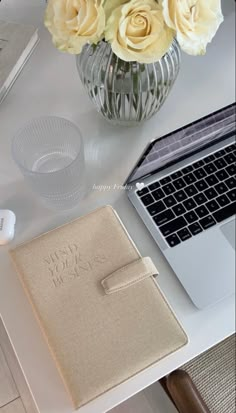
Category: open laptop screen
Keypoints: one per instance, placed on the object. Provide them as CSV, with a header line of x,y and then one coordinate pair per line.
x,y
182,142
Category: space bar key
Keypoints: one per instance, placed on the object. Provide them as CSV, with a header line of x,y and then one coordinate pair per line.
x,y
225,212
173,226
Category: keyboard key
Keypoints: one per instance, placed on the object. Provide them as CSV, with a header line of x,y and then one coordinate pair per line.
x,y
189,204
191,217
201,185
184,234
230,148
156,208
164,217
176,175
173,240
210,168
201,211
209,158
165,180
221,188
224,213
180,195
222,175
198,164
158,194
142,192
147,199
210,193
200,173
169,201
195,228
230,158
179,209
212,180
173,226
212,205
154,186
231,182
223,200
232,195
168,189
220,153
231,169
200,199
187,169
179,183
190,190
189,179
220,163
207,222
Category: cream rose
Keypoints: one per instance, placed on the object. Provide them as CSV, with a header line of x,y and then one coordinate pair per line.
x,y
195,21
137,31
73,23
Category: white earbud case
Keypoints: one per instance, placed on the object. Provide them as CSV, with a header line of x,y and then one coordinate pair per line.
x,y
7,226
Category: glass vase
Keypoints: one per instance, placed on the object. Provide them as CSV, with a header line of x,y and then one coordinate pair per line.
x,y
126,93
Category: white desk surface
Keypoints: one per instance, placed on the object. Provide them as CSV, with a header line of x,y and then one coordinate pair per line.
x,y
49,84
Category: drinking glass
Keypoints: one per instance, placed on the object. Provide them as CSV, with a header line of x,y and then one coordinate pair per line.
x,y
49,152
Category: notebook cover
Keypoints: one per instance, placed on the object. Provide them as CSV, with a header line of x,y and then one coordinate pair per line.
x,y
98,341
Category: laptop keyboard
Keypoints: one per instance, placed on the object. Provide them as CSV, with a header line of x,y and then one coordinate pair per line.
x,y
194,198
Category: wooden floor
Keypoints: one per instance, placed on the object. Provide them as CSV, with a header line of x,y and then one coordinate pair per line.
x,y
15,396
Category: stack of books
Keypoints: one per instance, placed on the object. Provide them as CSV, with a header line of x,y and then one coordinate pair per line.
x,y
17,42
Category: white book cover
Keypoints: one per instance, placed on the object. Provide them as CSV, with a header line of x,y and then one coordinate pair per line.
x,y
17,41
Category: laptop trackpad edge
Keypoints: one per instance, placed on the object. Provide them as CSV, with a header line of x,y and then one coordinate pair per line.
x,y
228,230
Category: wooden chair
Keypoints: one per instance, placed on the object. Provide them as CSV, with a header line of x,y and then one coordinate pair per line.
x,y
207,383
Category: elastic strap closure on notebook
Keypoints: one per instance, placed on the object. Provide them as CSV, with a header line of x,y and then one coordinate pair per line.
x,y
129,275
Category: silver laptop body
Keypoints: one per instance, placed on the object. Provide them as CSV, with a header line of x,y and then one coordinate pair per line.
x,y
183,188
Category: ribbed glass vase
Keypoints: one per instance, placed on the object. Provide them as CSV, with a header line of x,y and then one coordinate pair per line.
x,y
126,93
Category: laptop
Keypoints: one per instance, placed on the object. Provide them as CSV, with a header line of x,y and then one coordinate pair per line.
x,y
184,189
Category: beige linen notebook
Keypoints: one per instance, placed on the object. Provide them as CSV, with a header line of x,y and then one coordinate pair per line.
x,y
100,310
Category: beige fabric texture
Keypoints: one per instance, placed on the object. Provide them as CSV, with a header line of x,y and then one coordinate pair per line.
x,y
213,373
129,275
98,341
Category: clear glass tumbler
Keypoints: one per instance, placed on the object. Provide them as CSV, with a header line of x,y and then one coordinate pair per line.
x,y
49,152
